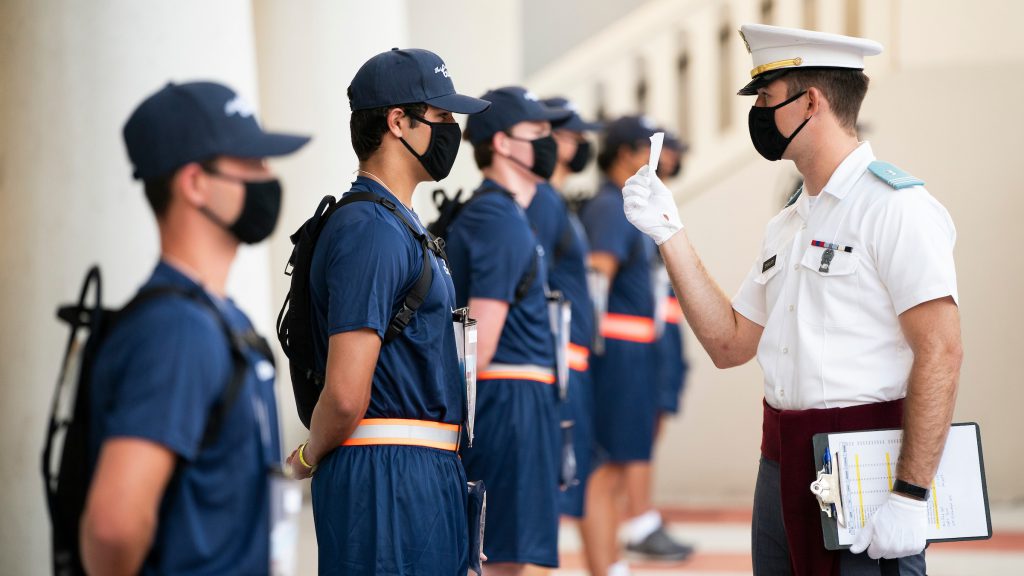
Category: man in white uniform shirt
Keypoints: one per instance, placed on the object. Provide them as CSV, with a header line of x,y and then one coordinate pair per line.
x,y
850,307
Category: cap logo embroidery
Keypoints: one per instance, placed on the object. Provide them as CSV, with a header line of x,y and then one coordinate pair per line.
x,y
530,96
240,106
442,70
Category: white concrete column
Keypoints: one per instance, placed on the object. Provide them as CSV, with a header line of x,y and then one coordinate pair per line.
x,y
71,72
661,59
482,45
308,52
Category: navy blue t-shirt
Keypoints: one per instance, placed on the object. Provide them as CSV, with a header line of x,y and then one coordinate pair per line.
x,y
364,264
564,241
157,377
490,248
608,230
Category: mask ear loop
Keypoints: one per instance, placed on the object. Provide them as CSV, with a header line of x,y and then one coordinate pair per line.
x,y
789,138
429,143
528,169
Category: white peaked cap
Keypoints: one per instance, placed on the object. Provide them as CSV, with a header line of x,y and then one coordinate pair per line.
x,y
776,50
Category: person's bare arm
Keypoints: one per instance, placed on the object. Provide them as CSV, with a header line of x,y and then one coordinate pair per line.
x,y
605,263
123,504
351,361
932,330
729,338
490,315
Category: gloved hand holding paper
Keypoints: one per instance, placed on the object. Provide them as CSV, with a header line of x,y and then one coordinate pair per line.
x,y
648,203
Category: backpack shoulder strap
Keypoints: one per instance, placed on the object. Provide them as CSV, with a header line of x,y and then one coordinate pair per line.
x,y
418,293
236,345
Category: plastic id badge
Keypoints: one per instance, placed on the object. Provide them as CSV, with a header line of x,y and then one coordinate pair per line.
x,y
285,505
465,343
659,284
560,316
598,286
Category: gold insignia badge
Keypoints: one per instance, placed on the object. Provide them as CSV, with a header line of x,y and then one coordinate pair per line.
x,y
745,43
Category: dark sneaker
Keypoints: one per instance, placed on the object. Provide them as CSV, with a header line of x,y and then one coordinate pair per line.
x,y
659,546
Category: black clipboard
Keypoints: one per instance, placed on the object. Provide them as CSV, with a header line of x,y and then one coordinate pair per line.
x,y
830,526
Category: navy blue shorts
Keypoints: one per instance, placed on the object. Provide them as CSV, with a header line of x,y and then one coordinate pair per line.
x,y
579,409
391,510
516,452
625,401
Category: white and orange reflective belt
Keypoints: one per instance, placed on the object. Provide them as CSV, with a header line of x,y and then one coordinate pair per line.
x,y
579,357
673,313
629,328
517,372
405,432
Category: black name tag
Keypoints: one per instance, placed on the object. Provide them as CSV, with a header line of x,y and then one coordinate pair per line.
x,y
768,264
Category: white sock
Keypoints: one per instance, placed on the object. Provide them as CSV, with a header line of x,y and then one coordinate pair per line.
x,y
620,568
642,526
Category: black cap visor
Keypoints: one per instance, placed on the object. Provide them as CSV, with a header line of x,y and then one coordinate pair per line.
x,y
459,103
548,114
265,145
760,80
576,124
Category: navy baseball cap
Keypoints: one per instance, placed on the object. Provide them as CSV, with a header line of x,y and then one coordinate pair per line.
x,y
196,121
674,142
574,123
408,76
510,106
628,130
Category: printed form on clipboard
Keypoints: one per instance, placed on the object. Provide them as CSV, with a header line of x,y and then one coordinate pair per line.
x,y
861,468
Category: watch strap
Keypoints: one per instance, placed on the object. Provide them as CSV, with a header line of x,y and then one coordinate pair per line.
x,y
909,489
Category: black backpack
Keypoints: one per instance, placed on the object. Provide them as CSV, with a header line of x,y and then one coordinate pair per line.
x,y
294,328
448,209
65,462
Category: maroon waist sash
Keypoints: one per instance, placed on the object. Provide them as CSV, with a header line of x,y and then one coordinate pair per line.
x,y
786,439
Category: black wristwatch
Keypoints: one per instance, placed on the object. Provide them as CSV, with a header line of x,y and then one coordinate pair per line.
x,y
911,490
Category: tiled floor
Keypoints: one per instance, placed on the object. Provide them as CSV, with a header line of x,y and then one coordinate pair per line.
x,y
722,538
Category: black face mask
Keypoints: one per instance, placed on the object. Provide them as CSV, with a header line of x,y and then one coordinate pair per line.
x,y
545,156
260,210
764,133
581,158
442,149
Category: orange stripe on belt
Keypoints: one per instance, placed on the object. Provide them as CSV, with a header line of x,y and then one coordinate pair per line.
x,y
517,372
628,328
405,432
673,313
579,357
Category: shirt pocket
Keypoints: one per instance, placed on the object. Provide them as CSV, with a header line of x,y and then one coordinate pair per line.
x,y
830,288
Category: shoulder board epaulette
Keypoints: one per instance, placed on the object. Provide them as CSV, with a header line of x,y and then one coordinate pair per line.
x,y
893,176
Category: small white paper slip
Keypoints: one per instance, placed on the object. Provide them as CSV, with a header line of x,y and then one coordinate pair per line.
x,y
657,139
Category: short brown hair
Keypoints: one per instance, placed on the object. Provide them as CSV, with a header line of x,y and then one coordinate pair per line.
x,y
367,127
158,193
842,87
483,153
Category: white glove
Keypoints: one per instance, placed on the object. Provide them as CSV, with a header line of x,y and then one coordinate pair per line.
x,y
649,206
895,530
